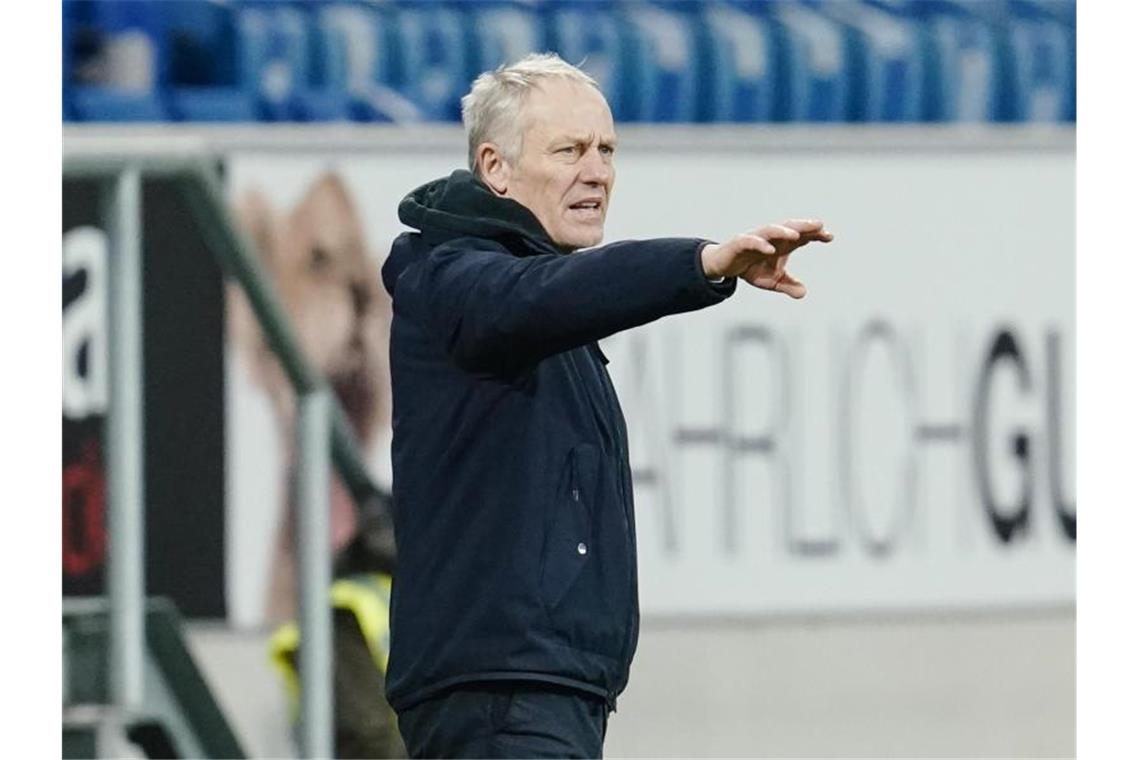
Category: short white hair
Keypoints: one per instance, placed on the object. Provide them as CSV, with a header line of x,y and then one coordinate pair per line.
x,y
492,110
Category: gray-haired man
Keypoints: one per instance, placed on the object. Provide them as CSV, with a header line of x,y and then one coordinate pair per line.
x,y
514,609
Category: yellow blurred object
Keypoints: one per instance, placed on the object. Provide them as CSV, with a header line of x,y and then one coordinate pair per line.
x,y
366,596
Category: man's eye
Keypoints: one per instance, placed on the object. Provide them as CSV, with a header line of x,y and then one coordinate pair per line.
x,y
607,150
568,149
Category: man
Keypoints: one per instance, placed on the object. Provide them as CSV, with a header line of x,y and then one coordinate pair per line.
x,y
514,612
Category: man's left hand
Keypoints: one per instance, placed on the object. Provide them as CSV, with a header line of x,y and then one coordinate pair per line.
x,y
760,257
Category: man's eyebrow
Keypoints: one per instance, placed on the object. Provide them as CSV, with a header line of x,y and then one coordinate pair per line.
x,y
585,139
577,139
607,140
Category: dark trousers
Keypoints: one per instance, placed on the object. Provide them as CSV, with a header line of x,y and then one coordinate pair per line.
x,y
506,719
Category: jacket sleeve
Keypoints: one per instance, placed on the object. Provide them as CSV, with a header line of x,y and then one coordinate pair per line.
x,y
498,310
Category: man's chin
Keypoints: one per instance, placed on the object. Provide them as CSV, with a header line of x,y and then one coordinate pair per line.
x,y
580,239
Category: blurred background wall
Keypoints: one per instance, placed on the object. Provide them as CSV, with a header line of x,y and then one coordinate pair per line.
x,y
856,518
988,685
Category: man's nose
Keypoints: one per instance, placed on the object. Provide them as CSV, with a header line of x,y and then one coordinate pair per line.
x,y
596,170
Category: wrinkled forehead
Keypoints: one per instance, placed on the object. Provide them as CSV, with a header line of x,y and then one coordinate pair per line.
x,y
558,106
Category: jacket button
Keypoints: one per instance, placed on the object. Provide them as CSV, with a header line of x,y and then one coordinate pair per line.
x,y
581,548
574,494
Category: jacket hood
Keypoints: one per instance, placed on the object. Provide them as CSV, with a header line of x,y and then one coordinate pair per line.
x,y
460,205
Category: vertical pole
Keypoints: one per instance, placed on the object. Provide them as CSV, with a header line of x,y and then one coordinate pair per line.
x,y
125,487
314,573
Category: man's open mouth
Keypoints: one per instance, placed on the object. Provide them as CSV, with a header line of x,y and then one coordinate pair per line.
x,y
591,209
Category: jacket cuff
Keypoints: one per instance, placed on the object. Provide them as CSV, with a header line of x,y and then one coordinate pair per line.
x,y
724,287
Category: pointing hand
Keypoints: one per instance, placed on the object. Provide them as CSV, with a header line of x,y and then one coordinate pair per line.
x,y
759,257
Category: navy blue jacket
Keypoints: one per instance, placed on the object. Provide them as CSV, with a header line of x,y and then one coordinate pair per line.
x,y
513,503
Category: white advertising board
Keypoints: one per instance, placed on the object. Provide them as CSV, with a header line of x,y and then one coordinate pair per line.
x,y
899,440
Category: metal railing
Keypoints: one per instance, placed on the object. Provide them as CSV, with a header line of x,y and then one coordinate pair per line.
x,y
321,421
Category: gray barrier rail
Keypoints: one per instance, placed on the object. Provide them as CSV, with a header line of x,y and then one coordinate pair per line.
x,y
322,422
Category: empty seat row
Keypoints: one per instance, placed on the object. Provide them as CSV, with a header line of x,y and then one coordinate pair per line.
x,y
680,61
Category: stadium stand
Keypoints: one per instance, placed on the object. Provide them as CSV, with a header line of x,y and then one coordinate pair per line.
x,y
739,65
118,52
1042,62
434,67
657,60
202,82
816,83
885,63
501,32
592,37
273,60
965,85
664,62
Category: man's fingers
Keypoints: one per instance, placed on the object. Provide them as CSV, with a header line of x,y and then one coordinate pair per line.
x,y
823,236
778,232
755,243
779,239
804,225
789,285
810,230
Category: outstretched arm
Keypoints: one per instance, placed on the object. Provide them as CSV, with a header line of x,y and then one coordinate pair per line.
x,y
495,309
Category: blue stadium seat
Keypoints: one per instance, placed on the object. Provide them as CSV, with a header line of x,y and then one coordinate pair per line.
x,y
433,71
202,71
502,32
212,104
68,23
816,84
1042,69
326,105
133,44
273,57
355,62
663,55
95,103
656,60
118,76
1064,12
201,40
964,83
739,66
886,63
1013,60
591,36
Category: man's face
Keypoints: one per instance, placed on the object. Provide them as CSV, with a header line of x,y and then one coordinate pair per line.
x,y
564,173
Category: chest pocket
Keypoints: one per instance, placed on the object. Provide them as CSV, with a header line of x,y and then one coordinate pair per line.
x,y
568,544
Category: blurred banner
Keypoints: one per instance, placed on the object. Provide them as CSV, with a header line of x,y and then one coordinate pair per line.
x,y
183,397
314,227
902,439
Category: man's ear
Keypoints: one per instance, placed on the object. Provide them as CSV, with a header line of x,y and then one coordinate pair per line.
x,y
493,168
